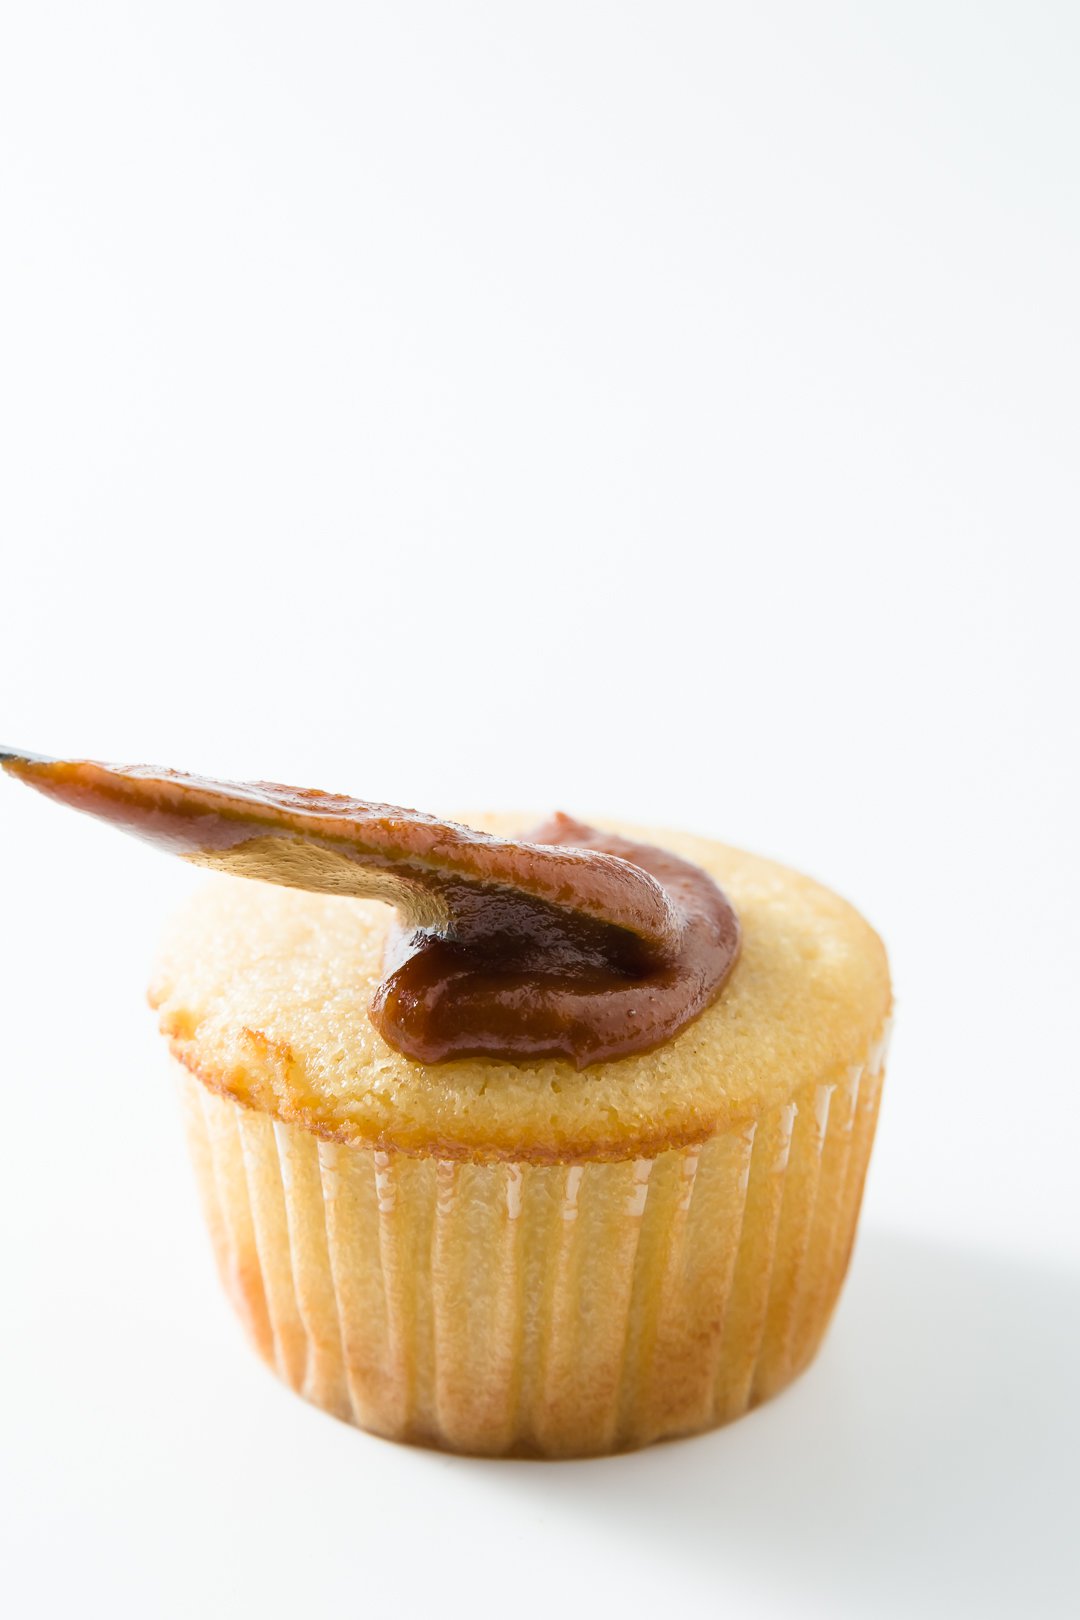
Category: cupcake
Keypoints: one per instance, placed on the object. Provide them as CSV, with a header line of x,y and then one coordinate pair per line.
x,y
511,1139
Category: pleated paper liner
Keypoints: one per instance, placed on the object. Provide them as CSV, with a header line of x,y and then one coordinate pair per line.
x,y
551,1310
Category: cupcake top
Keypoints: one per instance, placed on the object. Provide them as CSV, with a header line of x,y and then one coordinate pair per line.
x,y
263,993
548,995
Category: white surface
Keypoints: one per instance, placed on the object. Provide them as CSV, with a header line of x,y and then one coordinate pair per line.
x,y
665,409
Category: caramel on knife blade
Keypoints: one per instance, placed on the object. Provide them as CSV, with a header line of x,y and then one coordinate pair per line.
x,y
570,942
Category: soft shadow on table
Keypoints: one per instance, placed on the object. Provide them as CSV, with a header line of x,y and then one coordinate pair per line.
x,y
927,1464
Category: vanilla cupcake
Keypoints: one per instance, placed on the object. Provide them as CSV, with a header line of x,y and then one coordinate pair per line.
x,y
577,1176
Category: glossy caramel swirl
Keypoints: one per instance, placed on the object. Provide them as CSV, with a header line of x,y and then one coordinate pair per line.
x,y
569,942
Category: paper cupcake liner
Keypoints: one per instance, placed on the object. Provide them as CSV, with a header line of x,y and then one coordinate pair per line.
x,y
552,1310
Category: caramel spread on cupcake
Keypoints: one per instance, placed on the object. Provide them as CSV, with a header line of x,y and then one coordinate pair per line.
x,y
265,992
566,942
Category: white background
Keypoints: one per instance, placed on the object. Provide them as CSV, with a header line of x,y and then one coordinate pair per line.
x,y
666,409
